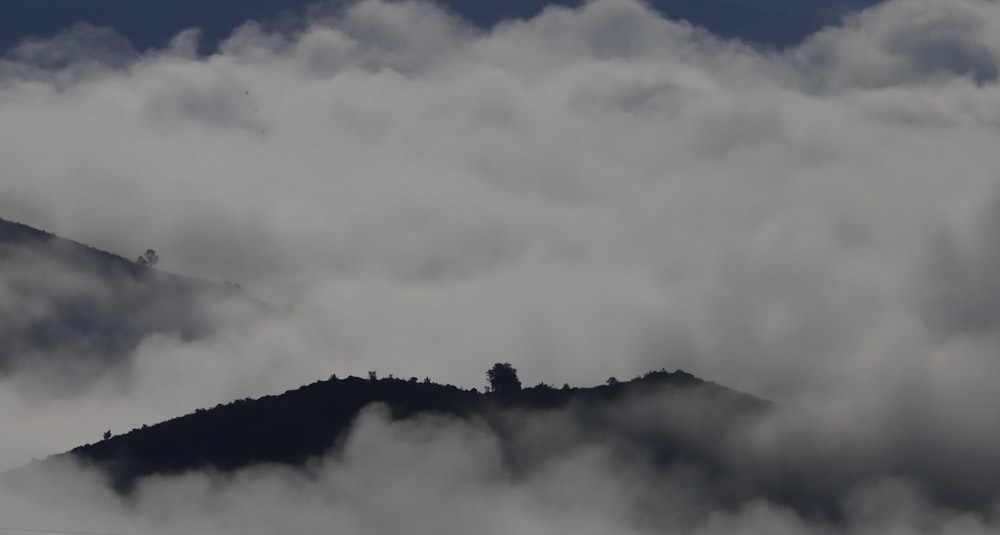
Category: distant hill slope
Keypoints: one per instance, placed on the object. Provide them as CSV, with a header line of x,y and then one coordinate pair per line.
x,y
307,423
73,310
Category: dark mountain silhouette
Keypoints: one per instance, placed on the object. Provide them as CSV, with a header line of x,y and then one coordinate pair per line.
x,y
151,24
74,311
302,425
666,423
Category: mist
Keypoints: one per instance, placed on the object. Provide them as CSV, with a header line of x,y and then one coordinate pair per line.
x,y
588,193
440,475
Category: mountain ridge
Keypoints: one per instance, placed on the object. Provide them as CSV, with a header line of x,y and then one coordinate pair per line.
x,y
307,423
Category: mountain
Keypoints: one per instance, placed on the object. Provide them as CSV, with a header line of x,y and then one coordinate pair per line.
x,y
151,24
303,425
73,311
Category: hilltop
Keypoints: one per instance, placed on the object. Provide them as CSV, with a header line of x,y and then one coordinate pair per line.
x,y
303,425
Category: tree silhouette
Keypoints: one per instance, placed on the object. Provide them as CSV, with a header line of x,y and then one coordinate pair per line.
x,y
149,258
503,378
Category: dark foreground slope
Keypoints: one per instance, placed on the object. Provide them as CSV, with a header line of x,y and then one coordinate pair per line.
x,y
665,419
683,445
71,311
305,423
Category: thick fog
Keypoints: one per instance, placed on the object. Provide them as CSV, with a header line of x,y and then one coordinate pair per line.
x,y
589,193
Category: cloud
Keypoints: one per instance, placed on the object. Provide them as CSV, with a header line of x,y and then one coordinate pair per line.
x,y
588,193
436,475
72,54
367,489
895,43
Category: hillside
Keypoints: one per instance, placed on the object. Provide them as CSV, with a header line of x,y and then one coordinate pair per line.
x,y
73,310
305,424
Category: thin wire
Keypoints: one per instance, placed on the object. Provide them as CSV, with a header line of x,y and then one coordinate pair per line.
x,y
34,530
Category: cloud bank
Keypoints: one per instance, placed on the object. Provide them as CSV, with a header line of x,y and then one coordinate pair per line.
x,y
434,475
588,193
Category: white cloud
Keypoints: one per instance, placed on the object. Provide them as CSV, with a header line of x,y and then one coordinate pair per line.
x,y
589,193
435,475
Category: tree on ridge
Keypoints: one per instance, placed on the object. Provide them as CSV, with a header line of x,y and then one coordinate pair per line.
x,y
149,258
503,378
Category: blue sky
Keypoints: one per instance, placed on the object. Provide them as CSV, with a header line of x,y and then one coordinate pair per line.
x,y
151,24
